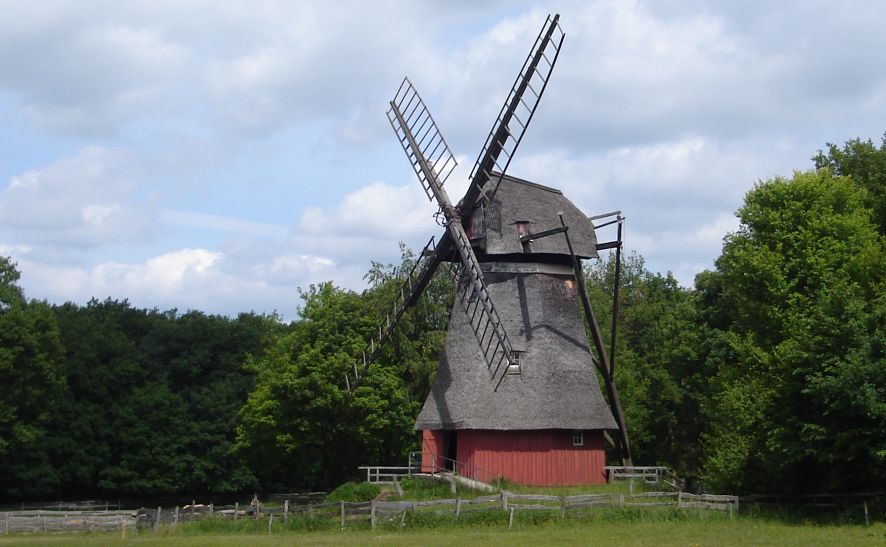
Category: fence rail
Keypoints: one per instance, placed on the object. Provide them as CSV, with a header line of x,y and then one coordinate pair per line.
x,y
344,512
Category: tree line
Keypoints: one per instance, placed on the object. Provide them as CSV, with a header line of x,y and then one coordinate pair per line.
x,y
768,375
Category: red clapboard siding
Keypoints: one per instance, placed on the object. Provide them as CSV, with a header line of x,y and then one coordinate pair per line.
x,y
538,458
431,443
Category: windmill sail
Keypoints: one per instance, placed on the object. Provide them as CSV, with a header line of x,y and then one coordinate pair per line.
x,y
433,162
411,288
516,113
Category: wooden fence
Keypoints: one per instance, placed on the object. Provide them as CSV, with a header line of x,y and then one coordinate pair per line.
x,y
67,521
348,512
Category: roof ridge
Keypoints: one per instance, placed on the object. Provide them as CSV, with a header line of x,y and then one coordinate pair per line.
x,y
512,178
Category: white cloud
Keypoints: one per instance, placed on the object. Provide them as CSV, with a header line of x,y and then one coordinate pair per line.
x,y
85,200
145,138
184,279
368,222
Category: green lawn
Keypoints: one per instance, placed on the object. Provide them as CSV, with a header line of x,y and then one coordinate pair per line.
x,y
714,532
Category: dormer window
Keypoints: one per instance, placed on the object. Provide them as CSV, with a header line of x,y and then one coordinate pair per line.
x,y
516,364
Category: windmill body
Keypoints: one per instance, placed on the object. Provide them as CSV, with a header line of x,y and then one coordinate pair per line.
x,y
544,424
516,394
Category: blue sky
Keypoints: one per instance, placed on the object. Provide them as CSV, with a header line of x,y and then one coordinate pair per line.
x,y
219,155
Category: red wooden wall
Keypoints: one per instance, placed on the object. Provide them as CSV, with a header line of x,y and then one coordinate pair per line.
x,y
538,458
431,443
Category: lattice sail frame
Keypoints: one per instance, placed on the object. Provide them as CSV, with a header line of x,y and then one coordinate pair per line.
x,y
516,112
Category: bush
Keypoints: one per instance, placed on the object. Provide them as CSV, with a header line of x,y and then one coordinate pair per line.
x,y
354,491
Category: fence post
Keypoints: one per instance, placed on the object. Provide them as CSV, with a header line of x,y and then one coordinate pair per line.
x,y
679,498
193,505
175,517
621,500
157,520
342,513
122,527
44,524
285,510
562,507
504,500
372,513
311,510
511,519
867,521
211,509
457,507
6,528
236,509
270,522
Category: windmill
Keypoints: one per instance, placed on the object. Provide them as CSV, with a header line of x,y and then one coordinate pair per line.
x,y
516,376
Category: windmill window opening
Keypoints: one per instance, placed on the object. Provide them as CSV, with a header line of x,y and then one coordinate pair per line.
x,y
578,438
516,364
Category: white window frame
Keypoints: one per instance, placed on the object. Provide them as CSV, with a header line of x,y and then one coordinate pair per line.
x,y
578,438
516,364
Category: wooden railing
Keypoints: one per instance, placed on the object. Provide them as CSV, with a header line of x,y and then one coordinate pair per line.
x,y
648,474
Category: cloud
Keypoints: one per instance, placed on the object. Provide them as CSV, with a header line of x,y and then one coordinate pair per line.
x,y
368,223
224,153
77,70
184,279
82,201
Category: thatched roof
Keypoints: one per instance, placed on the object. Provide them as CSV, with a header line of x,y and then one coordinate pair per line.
x,y
519,200
557,388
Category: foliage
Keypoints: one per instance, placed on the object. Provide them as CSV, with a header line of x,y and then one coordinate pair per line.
x,y
799,399
30,382
659,370
106,398
300,427
866,165
354,491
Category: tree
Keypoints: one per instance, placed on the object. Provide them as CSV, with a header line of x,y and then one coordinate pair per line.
x,y
660,360
866,165
799,394
30,383
298,427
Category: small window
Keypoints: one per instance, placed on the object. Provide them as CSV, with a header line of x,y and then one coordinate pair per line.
x,y
522,228
516,365
578,438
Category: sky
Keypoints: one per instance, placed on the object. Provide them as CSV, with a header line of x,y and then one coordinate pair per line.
x,y
221,155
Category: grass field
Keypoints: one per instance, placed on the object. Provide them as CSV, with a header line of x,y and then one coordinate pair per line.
x,y
713,532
